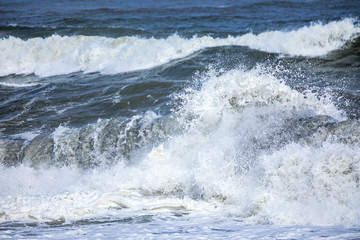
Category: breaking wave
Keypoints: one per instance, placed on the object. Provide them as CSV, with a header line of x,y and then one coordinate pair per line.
x,y
66,54
244,144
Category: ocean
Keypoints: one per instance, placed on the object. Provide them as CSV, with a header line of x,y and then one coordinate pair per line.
x,y
180,119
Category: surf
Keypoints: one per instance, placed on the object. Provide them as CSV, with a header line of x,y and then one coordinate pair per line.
x,y
243,143
56,55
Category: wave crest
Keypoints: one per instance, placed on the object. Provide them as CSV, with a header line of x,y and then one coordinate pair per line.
x,y
57,55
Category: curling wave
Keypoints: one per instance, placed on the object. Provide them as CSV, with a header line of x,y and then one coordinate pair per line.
x,y
245,143
62,54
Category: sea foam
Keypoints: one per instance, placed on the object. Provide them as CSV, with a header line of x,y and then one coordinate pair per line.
x,y
66,54
249,146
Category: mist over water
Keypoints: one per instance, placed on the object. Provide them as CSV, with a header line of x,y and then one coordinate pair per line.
x,y
180,121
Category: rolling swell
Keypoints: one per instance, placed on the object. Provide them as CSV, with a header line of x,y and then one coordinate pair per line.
x,y
347,57
109,141
57,55
102,144
28,31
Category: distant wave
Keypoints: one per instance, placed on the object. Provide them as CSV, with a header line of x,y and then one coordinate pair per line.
x,y
310,41
57,55
18,85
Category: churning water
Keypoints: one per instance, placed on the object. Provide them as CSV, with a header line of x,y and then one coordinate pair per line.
x,y
179,120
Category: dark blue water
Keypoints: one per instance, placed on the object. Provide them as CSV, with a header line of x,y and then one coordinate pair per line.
x,y
118,104
162,19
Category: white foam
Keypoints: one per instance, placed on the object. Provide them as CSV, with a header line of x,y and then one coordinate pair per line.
x,y
311,41
227,160
26,135
62,55
312,185
26,181
18,85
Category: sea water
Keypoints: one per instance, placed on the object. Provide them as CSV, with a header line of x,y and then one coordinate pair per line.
x,y
179,120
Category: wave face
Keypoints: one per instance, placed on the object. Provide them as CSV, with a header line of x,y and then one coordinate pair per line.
x,y
58,55
243,144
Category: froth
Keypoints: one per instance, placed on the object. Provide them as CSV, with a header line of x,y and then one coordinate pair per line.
x,y
275,155
312,184
62,55
311,41
18,85
248,145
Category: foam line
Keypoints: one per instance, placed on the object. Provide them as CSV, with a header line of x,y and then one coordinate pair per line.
x,y
57,55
